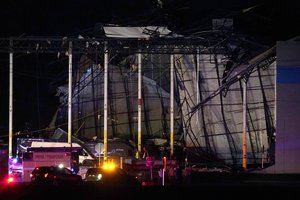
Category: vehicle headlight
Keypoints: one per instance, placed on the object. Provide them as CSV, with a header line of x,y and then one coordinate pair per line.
x,y
99,176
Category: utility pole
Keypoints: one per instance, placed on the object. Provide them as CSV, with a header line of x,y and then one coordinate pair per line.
x,y
70,96
139,103
105,100
10,101
198,89
244,125
172,105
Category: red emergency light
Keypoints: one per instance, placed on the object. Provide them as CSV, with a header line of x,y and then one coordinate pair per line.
x,y
10,179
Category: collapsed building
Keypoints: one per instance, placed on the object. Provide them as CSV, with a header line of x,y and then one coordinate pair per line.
x,y
213,73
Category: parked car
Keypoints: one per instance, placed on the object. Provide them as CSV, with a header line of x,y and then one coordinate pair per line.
x,y
110,177
54,175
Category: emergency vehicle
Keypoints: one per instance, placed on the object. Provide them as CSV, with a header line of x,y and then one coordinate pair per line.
x,y
49,156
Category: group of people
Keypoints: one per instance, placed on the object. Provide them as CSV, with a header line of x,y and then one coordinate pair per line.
x,y
143,154
175,175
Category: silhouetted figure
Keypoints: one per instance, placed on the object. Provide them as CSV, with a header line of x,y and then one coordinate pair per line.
x,y
145,153
171,175
186,174
160,175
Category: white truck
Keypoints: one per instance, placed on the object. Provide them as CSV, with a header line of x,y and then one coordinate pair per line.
x,y
49,156
83,155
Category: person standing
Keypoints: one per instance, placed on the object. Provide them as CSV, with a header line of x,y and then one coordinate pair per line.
x,y
145,153
171,175
160,176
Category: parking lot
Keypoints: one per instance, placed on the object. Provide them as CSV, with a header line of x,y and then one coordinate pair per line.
x,y
205,185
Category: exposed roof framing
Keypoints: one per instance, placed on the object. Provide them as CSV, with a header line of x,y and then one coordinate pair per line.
x,y
91,45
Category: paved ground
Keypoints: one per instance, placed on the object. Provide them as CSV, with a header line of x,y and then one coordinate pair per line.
x,y
201,186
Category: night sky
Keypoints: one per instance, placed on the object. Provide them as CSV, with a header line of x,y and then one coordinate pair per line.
x,y
36,75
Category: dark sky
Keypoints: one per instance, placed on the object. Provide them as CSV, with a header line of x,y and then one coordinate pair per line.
x,y
47,17
34,100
